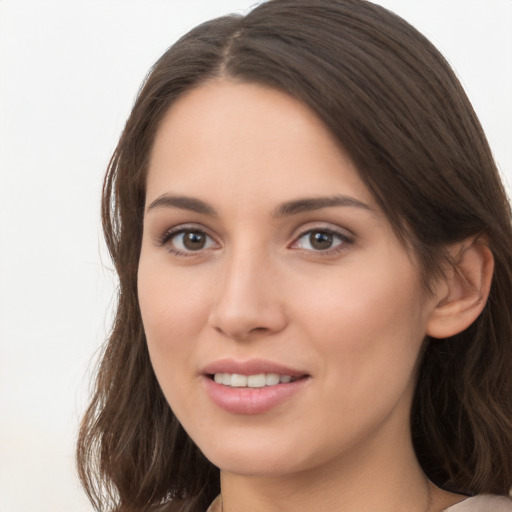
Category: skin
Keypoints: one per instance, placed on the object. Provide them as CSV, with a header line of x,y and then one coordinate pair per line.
x,y
352,318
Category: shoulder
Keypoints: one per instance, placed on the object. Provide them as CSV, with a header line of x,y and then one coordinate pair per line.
x,y
483,503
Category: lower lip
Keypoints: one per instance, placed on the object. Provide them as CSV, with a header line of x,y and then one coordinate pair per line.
x,y
251,400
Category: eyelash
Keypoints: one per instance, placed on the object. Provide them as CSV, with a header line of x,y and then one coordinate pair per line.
x,y
344,240
167,238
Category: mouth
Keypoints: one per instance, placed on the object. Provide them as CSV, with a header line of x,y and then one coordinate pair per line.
x,y
254,386
258,380
255,393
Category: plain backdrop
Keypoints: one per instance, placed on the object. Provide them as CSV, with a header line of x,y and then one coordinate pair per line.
x,y
69,73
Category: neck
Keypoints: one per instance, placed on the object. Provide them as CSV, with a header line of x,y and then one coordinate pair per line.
x,y
323,491
384,476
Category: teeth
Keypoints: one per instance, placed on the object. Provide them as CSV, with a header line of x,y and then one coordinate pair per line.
x,y
238,381
256,381
271,379
260,380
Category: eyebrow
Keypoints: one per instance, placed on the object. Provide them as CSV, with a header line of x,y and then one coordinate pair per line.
x,y
317,203
286,209
182,203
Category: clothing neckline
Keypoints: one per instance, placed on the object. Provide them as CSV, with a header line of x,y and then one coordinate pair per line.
x,y
481,503
461,506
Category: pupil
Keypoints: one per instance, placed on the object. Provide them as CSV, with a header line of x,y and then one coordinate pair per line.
x,y
320,240
193,240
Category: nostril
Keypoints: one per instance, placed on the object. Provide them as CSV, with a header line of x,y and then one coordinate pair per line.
x,y
258,329
238,332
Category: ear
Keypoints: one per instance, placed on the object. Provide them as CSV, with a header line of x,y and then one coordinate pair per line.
x,y
463,290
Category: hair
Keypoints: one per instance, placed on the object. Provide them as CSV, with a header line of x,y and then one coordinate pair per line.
x,y
394,104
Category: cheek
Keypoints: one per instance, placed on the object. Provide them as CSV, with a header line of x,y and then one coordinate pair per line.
x,y
174,312
366,302
367,337
172,303
369,324
173,315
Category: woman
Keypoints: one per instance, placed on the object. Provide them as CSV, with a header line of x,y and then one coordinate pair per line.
x,y
315,259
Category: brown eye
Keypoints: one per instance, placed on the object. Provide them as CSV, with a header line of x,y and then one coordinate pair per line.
x,y
186,241
194,240
320,240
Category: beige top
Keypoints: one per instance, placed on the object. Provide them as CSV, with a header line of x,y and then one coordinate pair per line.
x,y
482,503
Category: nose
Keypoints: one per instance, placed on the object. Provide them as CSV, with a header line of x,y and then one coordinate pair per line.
x,y
248,301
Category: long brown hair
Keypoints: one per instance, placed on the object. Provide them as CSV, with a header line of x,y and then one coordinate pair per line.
x,y
397,108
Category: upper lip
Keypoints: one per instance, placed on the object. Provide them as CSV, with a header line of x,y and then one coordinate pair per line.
x,y
250,367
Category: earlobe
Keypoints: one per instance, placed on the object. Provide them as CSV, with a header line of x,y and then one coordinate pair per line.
x,y
464,290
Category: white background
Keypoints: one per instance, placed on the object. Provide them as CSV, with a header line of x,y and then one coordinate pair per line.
x,y
69,72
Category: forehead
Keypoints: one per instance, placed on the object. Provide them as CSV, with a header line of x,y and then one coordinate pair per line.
x,y
247,139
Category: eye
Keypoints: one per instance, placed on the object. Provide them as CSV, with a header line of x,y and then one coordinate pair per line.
x,y
321,240
185,241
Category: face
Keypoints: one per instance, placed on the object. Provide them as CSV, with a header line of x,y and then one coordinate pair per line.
x,y
284,319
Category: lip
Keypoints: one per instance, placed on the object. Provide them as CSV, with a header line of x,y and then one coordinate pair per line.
x,y
251,367
251,401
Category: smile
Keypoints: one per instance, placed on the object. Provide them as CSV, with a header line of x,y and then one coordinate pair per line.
x,y
259,380
254,386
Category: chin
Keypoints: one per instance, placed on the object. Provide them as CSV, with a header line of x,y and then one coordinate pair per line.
x,y
262,466
253,458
